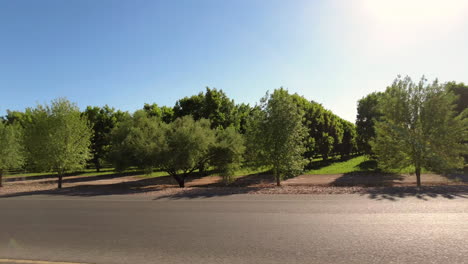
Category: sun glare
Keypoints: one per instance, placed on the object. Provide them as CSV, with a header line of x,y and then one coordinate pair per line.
x,y
415,12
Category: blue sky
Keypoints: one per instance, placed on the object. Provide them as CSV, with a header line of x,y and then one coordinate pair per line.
x,y
127,53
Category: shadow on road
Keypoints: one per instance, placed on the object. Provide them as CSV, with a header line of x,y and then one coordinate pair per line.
x,y
423,193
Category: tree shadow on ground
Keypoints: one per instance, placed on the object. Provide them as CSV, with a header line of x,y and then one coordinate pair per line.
x,y
318,164
423,193
89,190
254,179
368,165
137,186
89,178
9,178
14,178
367,179
459,176
103,177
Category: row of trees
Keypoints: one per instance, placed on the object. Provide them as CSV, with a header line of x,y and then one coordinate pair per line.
x,y
410,123
417,124
204,131
328,134
178,148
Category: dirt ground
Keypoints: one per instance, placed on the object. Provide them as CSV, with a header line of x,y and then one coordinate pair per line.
x,y
212,185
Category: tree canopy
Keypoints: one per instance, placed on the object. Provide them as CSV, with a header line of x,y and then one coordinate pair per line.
x,y
57,138
178,148
227,153
326,131
461,91
276,135
213,105
102,120
11,148
419,127
137,141
208,131
368,112
187,147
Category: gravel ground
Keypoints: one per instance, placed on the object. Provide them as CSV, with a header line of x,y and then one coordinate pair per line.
x,y
172,192
165,187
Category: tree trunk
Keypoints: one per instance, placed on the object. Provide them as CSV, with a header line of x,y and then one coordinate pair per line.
x,y
1,178
182,184
202,169
277,177
418,176
60,176
180,180
98,166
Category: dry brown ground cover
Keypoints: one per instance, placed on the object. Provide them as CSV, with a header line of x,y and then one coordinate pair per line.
x,y
165,187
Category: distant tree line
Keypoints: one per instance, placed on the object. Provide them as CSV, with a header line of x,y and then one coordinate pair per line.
x,y
208,131
203,131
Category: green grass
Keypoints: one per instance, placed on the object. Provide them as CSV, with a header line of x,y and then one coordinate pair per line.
x,y
337,167
154,174
248,171
357,164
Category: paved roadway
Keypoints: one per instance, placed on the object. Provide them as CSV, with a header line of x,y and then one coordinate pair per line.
x,y
234,229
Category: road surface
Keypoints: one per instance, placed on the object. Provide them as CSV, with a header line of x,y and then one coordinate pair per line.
x,y
234,229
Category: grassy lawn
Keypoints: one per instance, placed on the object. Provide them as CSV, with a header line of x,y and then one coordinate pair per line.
x,y
153,174
356,164
337,167
249,171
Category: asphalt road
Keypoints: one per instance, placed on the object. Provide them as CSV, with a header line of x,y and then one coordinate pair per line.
x,y
235,229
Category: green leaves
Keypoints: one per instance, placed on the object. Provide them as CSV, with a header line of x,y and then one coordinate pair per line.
x,y
11,148
368,113
101,120
136,141
179,148
325,130
213,105
187,145
419,127
57,137
227,153
276,135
